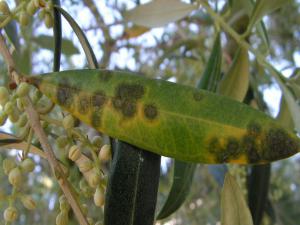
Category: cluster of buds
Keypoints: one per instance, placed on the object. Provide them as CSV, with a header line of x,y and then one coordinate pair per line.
x,y
27,9
15,173
62,218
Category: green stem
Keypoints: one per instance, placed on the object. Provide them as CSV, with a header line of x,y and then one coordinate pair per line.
x,y
12,14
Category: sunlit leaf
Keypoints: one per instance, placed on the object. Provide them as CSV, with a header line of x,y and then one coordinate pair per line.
x,y
169,119
234,209
236,81
159,12
284,116
47,42
134,31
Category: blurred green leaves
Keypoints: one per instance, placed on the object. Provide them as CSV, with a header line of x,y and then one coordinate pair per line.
x,y
158,13
46,42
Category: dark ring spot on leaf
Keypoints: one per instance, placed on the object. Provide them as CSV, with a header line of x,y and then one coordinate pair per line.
x,y
96,119
98,100
278,144
65,96
197,96
128,108
130,91
84,104
254,129
150,111
250,147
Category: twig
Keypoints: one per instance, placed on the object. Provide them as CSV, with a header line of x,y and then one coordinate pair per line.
x,y
42,137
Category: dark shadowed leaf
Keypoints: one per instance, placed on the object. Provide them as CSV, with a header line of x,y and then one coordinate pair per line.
x,y
182,181
91,58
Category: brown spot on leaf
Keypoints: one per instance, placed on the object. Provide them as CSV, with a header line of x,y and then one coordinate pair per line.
x,y
130,91
98,100
150,111
126,97
278,144
65,93
254,129
96,119
128,108
197,96
84,104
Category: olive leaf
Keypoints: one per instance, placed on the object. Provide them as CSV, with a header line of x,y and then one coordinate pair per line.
x,y
167,118
158,13
234,209
264,7
236,81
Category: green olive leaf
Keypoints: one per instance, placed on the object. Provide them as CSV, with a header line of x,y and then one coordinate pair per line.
x,y
234,209
236,81
158,13
264,7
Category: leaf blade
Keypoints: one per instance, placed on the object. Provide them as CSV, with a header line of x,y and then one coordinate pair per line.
x,y
234,210
158,13
170,119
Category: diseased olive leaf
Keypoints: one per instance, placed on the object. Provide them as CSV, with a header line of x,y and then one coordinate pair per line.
x,y
169,119
236,81
158,13
184,172
45,41
264,7
234,209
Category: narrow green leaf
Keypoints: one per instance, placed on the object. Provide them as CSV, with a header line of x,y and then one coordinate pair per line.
x,y
158,13
91,58
211,76
182,181
284,116
57,36
290,99
45,41
258,187
132,187
12,34
9,141
264,7
184,172
235,83
169,119
234,209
